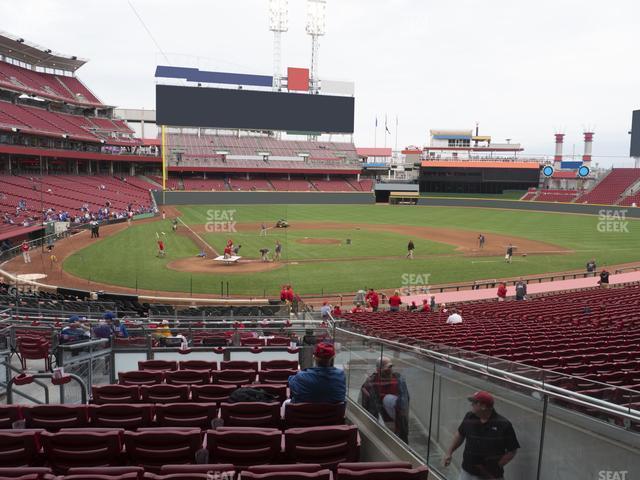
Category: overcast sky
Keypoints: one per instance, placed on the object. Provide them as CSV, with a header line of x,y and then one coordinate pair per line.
x,y
521,69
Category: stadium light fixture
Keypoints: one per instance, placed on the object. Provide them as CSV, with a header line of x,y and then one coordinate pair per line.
x,y
64,135
278,23
15,130
316,27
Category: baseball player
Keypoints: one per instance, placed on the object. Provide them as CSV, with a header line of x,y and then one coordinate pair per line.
x,y
410,248
263,230
277,251
161,251
264,254
24,247
509,254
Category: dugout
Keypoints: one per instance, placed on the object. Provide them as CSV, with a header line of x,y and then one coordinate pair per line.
x,y
403,198
383,191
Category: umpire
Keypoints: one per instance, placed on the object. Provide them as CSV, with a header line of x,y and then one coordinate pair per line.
x,y
491,442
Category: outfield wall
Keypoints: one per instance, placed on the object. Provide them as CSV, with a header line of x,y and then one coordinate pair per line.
x,y
268,198
574,208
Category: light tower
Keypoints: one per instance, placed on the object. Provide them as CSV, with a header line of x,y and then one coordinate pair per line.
x,y
557,158
316,14
588,146
278,23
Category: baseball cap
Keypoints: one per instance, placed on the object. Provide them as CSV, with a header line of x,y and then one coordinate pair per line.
x,y
324,350
482,397
108,315
74,319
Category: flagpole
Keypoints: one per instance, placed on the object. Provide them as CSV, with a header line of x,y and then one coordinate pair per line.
x,y
385,130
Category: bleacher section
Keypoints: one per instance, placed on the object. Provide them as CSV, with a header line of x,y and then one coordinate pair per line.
x,y
629,200
530,195
53,87
247,185
333,185
611,187
245,153
548,195
40,121
593,335
68,193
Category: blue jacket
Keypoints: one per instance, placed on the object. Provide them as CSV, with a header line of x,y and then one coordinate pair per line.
x,y
318,385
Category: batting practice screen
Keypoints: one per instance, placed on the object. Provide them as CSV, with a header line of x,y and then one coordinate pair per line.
x,y
635,134
249,109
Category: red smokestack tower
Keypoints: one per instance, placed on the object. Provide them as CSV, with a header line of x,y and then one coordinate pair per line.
x,y
557,159
588,144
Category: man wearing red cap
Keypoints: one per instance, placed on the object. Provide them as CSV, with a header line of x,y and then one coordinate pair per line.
x,y
491,442
323,383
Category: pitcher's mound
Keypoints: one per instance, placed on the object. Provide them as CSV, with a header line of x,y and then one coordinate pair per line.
x,y
207,265
319,241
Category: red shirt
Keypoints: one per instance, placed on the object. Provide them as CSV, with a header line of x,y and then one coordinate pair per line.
x,y
283,294
227,250
160,245
502,291
426,308
24,247
395,301
289,295
373,299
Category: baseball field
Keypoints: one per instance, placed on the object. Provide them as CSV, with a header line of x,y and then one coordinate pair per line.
x,y
334,249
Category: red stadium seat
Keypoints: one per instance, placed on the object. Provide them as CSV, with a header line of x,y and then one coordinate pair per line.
x,y
140,377
201,365
19,448
275,376
251,414
244,446
279,364
211,393
37,473
188,377
327,446
300,415
125,416
115,394
233,377
279,391
186,415
8,415
158,365
83,449
292,474
153,448
239,365
55,417
164,393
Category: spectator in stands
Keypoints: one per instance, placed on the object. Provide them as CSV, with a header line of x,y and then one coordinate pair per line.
x,y
425,306
410,248
74,331
591,267
491,441
372,300
309,338
283,293
433,304
521,290
24,248
413,307
323,383
337,311
325,310
604,278
385,395
395,301
455,317
502,292
358,308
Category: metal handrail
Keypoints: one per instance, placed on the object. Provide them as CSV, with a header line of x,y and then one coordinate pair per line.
x,y
36,376
513,378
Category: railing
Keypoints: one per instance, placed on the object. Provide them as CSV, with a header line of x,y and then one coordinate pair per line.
x,y
439,379
33,244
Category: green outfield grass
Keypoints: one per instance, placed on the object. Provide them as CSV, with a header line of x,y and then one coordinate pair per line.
x,y
128,259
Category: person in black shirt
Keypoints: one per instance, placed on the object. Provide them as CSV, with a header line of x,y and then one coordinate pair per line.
x,y
509,254
410,248
604,278
491,442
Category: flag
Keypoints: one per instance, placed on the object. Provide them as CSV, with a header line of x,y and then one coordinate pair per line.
x,y
386,129
376,121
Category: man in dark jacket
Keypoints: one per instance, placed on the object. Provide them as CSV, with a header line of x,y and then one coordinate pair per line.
x,y
323,383
385,395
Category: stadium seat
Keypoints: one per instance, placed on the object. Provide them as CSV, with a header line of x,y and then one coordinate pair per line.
x,y
153,448
19,448
327,446
292,467
201,365
186,415
55,417
104,473
211,393
8,415
34,348
158,365
279,365
233,377
292,474
36,473
301,415
278,342
129,417
418,473
164,393
115,394
188,377
275,376
244,446
64,450
251,414
140,377
239,365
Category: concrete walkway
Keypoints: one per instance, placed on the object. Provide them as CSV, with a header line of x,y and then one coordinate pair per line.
x,y
487,293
